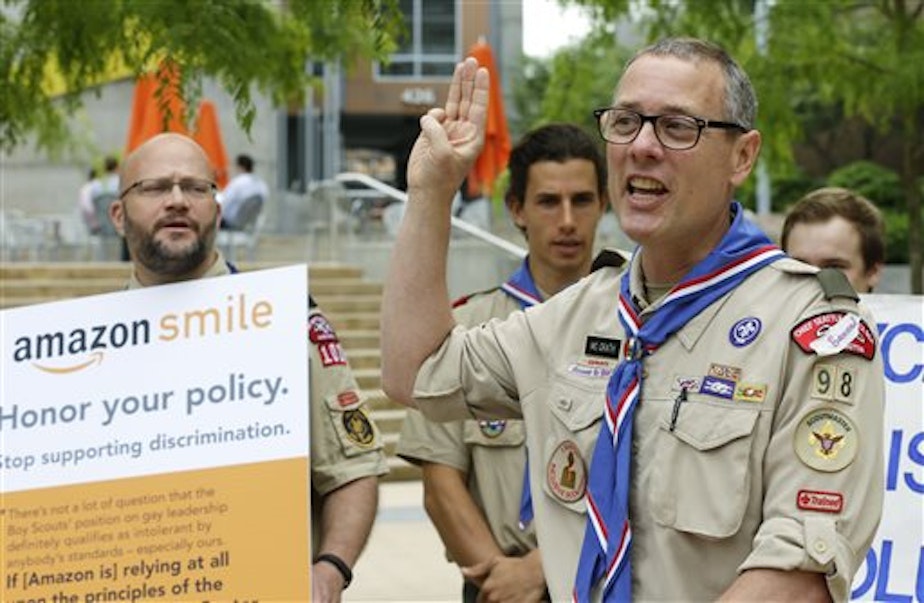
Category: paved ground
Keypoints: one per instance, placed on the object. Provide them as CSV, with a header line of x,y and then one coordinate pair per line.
x,y
404,558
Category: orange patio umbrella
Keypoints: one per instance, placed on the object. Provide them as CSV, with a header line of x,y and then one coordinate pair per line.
x,y
148,115
493,158
152,115
208,135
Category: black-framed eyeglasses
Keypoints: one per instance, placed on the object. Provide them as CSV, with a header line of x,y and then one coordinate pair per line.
x,y
676,132
157,188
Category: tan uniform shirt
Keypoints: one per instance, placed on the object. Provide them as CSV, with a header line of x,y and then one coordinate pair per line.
x,y
489,453
345,443
774,461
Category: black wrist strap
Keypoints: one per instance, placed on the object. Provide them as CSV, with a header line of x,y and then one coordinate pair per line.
x,y
340,564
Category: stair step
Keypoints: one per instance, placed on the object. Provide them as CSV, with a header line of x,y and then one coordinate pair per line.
x,y
389,420
353,320
364,358
349,303
358,338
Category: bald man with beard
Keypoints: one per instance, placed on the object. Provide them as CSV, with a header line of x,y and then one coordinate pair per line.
x,y
168,214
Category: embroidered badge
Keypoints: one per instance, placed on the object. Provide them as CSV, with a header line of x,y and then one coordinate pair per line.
x,y
691,384
817,500
852,336
602,346
722,371
594,369
750,392
826,440
744,331
720,388
358,428
831,382
566,473
347,398
323,336
492,428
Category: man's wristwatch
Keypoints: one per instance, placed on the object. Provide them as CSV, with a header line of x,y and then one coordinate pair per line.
x,y
340,564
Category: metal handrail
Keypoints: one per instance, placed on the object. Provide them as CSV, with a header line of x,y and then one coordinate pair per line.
x,y
458,223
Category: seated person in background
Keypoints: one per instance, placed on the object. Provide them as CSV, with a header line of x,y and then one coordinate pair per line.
x,y
244,185
85,203
473,471
168,214
837,228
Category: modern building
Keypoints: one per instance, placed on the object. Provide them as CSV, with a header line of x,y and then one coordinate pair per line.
x,y
365,118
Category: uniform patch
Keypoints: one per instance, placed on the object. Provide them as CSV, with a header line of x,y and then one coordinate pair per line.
x,y
720,388
347,398
566,473
831,382
323,336
744,331
358,427
817,500
602,346
750,392
492,428
852,335
594,369
691,384
826,440
722,371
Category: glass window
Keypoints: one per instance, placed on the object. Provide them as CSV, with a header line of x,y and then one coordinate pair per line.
x,y
428,48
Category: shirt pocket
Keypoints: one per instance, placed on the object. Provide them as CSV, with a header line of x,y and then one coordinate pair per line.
x,y
701,478
494,433
351,425
575,411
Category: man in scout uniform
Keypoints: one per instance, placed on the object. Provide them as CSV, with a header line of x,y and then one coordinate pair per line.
x,y
728,443
837,228
168,215
473,471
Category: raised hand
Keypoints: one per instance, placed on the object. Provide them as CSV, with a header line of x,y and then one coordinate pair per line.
x,y
452,137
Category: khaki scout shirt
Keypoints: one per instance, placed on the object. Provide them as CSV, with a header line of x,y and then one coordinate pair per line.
x,y
489,453
345,443
783,470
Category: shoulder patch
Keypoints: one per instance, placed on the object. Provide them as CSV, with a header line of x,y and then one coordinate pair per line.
x,y
322,335
609,258
835,284
834,332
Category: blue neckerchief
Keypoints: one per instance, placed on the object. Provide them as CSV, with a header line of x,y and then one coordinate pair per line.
x,y
606,551
521,287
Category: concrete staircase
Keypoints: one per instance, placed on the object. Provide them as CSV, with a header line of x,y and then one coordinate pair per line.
x,y
351,303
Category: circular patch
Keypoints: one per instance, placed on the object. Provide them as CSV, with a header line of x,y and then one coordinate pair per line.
x,y
566,473
744,331
826,440
358,427
492,429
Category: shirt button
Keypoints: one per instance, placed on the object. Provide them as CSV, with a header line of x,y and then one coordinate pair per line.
x,y
820,546
564,403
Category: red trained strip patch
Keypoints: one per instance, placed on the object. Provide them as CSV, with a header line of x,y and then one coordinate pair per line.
x,y
812,329
818,500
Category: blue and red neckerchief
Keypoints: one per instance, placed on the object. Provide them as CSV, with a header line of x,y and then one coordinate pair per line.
x,y
606,551
521,287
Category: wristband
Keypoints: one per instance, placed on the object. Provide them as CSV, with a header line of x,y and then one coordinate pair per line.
x,y
340,564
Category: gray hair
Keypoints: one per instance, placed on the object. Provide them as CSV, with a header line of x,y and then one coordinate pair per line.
x,y
740,99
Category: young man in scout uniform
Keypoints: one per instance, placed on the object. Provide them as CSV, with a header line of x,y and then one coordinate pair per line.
x,y
473,471
837,228
168,215
730,446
